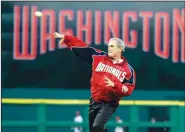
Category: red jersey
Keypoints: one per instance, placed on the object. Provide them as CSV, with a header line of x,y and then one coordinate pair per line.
x,y
122,74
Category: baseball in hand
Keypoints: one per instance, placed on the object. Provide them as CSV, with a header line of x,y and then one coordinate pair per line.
x,y
38,14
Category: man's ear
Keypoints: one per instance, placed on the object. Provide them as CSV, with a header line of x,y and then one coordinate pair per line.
x,y
121,49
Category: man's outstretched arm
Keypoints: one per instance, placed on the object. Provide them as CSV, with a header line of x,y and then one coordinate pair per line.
x,y
79,47
70,41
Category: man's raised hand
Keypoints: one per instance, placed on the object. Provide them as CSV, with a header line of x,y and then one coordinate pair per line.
x,y
58,35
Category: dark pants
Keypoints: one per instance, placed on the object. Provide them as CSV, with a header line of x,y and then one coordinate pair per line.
x,y
99,114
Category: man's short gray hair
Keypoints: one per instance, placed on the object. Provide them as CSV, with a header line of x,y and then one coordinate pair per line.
x,y
120,43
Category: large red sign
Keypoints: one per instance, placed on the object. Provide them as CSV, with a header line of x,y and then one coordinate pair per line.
x,y
115,23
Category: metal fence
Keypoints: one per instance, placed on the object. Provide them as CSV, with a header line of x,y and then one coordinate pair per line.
x,y
175,123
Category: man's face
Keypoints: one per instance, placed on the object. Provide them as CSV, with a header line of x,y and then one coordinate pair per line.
x,y
113,49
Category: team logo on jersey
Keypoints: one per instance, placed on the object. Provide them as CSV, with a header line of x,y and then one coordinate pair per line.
x,y
112,70
124,89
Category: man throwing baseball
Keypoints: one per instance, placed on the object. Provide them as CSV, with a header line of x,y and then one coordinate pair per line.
x,y
112,77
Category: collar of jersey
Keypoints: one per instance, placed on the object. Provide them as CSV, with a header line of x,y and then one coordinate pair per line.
x,y
121,63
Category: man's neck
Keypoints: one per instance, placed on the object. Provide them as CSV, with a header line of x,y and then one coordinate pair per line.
x,y
117,58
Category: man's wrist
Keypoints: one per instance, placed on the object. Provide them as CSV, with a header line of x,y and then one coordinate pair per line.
x,y
116,85
113,85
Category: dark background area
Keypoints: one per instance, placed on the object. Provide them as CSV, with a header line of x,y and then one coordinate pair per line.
x,y
62,69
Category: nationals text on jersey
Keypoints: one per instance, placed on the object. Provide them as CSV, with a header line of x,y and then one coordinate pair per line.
x,y
114,71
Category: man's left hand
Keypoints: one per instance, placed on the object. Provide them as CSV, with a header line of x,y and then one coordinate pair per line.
x,y
108,82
